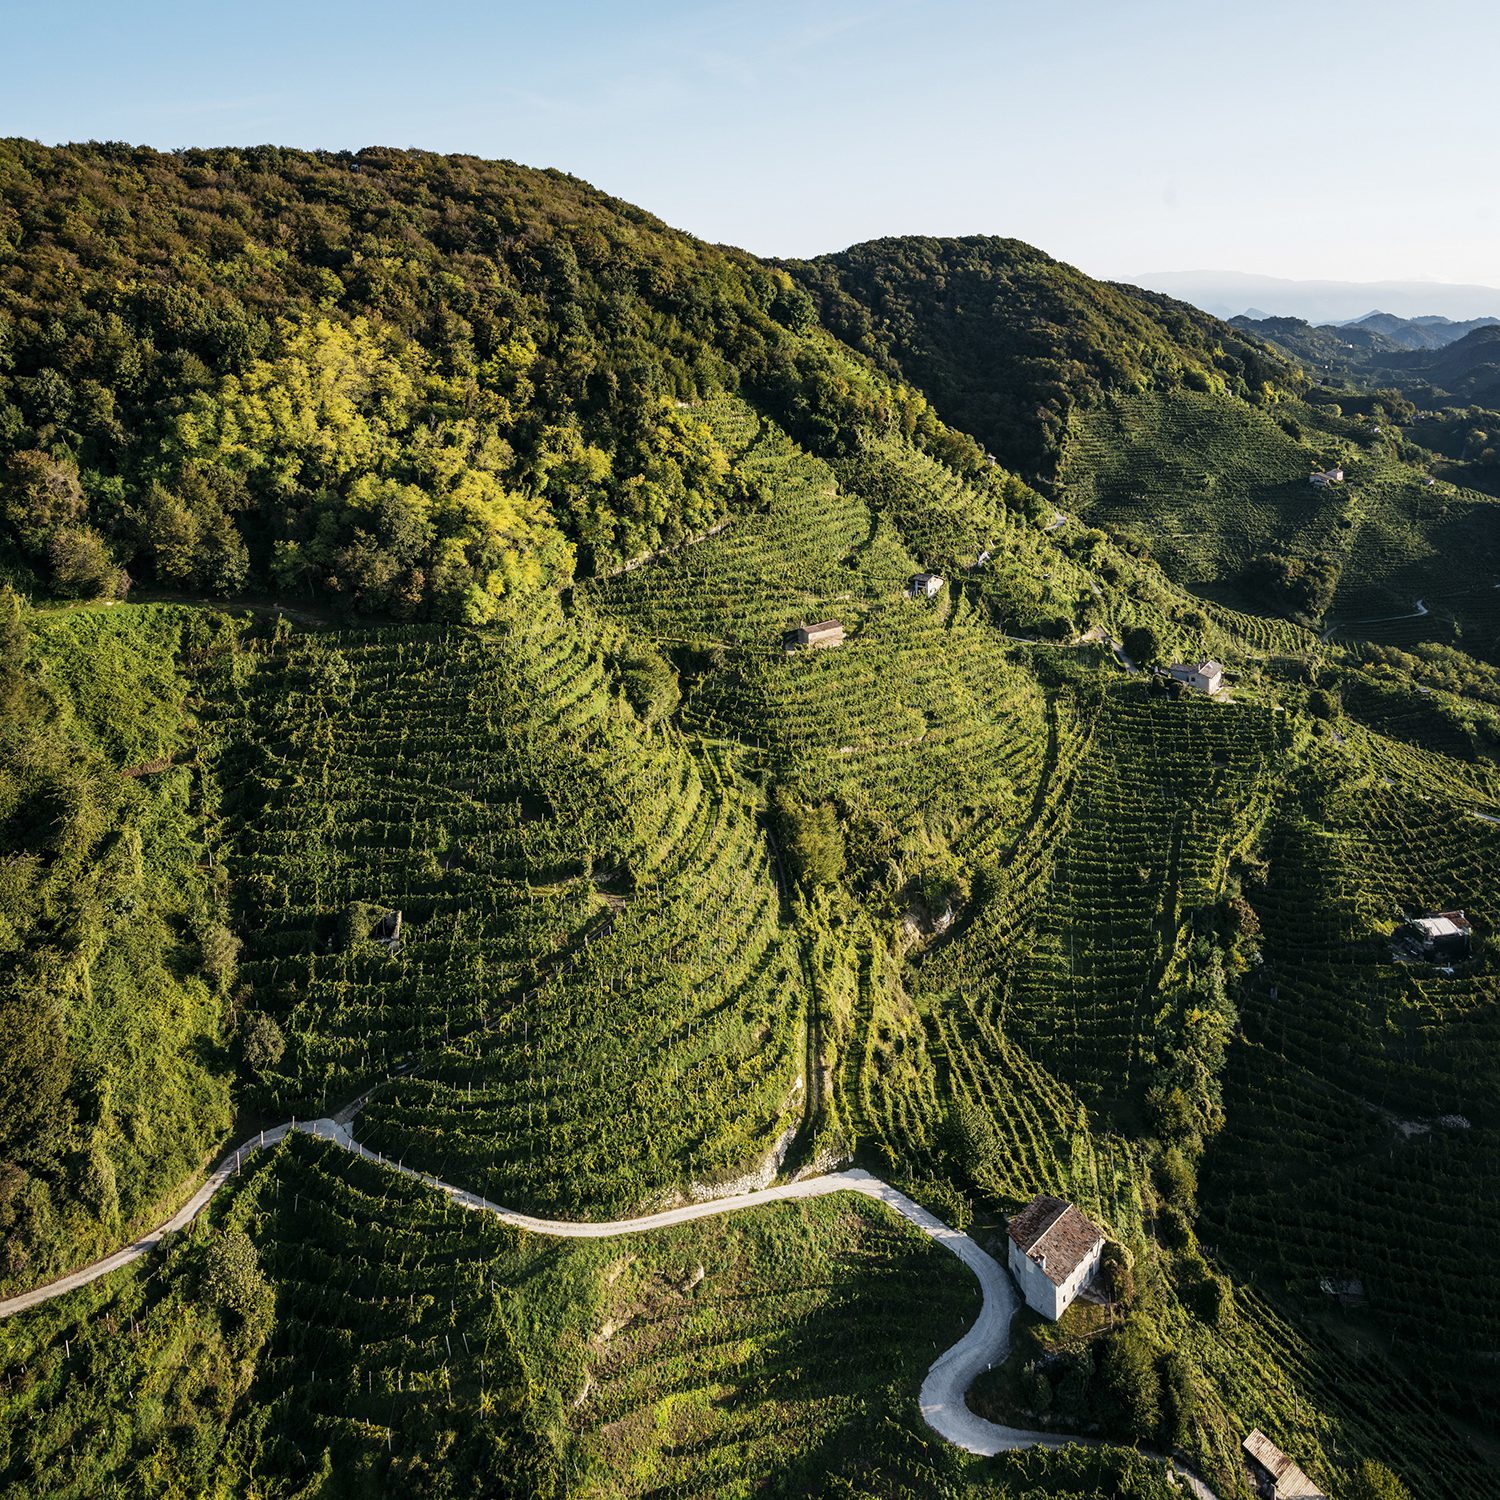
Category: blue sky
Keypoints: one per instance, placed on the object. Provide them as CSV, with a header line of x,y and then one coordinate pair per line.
x,y
1317,138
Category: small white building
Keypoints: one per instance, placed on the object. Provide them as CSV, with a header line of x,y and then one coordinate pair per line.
x,y
1326,477
924,585
1054,1254
1203,676
1277,1477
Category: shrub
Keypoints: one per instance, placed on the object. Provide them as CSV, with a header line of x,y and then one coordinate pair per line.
x,y
40,497
1119,1266
219,951
230,1276
1132,1384
1180,1400
650,685
1323,703
82,566
1175,1179
356,923
261,1041
1143,645
814,839
1374,1481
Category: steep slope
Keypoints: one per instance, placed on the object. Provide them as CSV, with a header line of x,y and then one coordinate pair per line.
x,y
1009,342
407,383
970,898
117,966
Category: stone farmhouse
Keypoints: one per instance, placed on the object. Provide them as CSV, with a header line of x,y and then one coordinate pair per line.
x,y
1054,1254
925,585
824,634
1443,936
1202,677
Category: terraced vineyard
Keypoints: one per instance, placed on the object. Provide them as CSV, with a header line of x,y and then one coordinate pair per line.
x,y
1210,482
1415,543
780,1347
1166,794
552,859
918,717
1370,1082
590,896
797,547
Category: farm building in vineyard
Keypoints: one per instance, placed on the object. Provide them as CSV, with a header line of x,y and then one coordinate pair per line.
x,y
925,584
1202,677
1277,1477
824,633
1054,1253
1440,937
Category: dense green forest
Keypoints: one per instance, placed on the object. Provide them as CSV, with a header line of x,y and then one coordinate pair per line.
x,y
394,535
414,384
1009,342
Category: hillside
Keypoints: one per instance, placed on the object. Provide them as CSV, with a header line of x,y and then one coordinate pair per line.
x,y
411,384
1008,342
466,511
1188,439
1467,369
1433,361
1419,333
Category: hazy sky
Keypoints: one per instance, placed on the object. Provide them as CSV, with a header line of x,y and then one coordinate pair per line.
x,y
1295,137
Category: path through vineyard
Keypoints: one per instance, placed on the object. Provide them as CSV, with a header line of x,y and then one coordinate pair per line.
x,y
985,1344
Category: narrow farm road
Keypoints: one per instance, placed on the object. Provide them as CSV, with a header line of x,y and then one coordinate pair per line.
x,y
986,1343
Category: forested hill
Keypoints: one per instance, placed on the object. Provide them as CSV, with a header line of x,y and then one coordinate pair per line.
x,y
413,382
1008,342
595,898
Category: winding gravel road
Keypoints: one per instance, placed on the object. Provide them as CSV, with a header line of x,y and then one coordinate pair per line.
x,y
942,1402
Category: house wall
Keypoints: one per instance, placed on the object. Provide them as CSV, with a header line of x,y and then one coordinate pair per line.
x,y
1040,1294
1085,1273
1037,1288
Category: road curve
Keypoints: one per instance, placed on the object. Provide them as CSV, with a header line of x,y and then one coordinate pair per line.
x,y
986,1343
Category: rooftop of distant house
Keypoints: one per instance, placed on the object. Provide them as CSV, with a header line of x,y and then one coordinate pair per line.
x,y
1443,924
1291,1483
1055,1235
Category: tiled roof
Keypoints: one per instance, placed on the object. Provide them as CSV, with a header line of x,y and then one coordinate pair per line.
x,y
1291,1483
1055,1235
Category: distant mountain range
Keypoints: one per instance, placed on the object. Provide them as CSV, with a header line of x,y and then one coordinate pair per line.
x,y
1227,294
1417,333
1435,361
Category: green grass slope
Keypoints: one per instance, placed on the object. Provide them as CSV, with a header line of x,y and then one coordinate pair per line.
x,y
116,957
